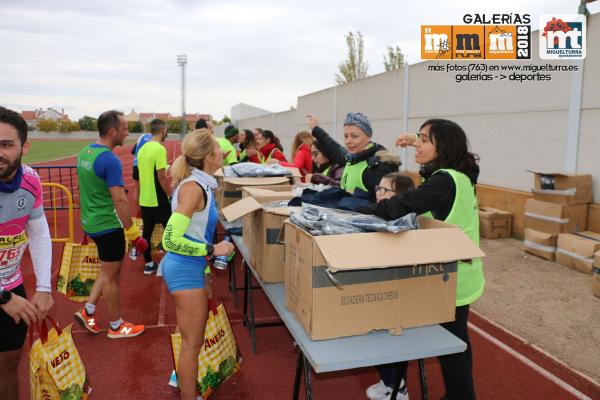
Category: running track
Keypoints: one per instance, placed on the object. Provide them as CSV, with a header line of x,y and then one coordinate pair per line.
x,y
504,366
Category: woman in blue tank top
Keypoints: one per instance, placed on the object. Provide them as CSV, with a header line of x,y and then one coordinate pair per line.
x,y
188,241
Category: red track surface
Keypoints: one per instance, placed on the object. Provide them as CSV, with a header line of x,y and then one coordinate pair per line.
x,y
139,368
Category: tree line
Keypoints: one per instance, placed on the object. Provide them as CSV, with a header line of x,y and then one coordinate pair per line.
x,y
355,67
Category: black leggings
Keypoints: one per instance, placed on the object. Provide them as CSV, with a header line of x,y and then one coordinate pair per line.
x,y
457,369
150,217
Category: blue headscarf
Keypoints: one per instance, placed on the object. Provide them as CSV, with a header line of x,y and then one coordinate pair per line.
x,y
361,121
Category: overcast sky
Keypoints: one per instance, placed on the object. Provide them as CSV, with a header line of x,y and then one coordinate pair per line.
x,y
90,56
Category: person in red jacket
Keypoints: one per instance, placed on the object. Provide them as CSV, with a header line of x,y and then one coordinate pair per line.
x,y
270,149
301,154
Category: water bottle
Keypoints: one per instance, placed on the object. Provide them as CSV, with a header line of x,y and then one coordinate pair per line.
x,y
222,261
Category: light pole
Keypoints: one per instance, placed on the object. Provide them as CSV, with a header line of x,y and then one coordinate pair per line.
x,y
181,61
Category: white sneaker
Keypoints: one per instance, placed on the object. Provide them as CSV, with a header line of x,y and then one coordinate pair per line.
x,y
380,391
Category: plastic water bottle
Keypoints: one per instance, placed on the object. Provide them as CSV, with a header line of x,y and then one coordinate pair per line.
x,y
221,261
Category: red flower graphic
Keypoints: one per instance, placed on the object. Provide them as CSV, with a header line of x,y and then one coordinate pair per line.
x,y
556,25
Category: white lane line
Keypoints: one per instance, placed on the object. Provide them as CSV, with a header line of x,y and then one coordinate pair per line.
x,y
162,304
539,349
537,368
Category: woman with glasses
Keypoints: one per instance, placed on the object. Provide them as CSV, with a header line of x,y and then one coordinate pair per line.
x,y
364,164
394,184
449,172
324,172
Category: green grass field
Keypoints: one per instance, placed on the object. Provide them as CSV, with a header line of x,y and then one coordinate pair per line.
x,y
48,150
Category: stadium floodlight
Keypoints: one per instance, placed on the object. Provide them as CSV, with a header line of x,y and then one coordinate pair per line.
x,y
182,61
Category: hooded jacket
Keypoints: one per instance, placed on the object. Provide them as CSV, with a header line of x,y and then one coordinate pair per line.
x,y
380,161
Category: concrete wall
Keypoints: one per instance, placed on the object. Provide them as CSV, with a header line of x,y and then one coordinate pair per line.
x,y
512,126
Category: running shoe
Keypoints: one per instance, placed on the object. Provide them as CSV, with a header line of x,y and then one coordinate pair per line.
x,y
86,321
150,269
126,330
380,391
173,379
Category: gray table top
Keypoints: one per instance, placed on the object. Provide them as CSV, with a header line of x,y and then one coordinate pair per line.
x,y
358,351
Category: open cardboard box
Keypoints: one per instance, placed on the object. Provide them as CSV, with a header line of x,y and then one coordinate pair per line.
x,y
561,187
230,189
261,230
554,218
344,285
576,250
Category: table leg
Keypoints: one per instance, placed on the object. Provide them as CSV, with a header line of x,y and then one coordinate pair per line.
x,y
423,376
245,310
307,383
251,321
233,284
298,374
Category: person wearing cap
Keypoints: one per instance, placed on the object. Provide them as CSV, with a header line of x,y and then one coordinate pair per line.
x,y
366,162
229,152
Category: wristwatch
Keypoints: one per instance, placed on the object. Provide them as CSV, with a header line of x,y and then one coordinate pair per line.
x,y
5,296
210,249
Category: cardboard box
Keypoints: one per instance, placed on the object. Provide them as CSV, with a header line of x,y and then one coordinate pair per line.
x,y
262,228
596,275
555,218
576,250
266,190
495,223
563,188
230,189
344,285
541,244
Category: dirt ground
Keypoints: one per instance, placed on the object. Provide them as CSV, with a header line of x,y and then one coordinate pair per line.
x,y
546,304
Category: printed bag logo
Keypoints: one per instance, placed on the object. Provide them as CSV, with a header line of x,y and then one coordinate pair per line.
x,y
562,37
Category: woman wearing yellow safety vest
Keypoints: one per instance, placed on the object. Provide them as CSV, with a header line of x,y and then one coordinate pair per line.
x,y
449,172
365,161
269,148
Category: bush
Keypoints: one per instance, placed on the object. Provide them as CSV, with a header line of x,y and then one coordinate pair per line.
x,y
174,125
68,126
48,125
88,123
135,126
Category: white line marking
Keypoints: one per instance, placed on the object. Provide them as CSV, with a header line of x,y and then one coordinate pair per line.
x,y
539,349
540,370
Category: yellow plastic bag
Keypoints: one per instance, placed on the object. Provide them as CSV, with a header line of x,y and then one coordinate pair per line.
x,y
219,358
56,371
79,268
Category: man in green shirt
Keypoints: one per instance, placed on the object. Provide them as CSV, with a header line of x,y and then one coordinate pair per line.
x,y
154,187
105,217
229,152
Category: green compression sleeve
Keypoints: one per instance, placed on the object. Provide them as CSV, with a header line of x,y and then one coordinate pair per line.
x,y
174,241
